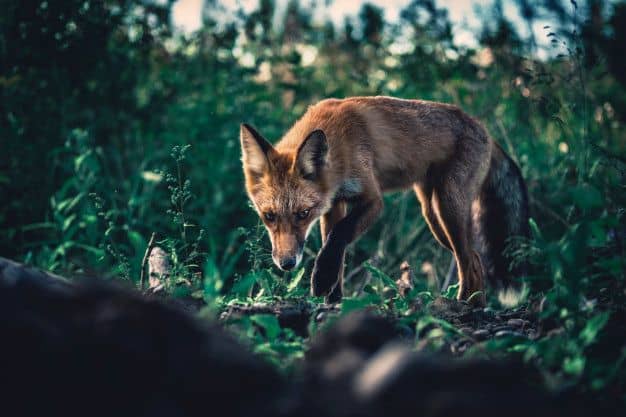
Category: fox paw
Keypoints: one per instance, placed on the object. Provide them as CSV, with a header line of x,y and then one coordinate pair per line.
x,y
325,273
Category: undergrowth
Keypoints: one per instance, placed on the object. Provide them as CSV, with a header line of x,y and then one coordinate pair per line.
x,y
155,151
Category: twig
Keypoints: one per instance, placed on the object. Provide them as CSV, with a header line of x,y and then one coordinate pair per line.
x,y
144,261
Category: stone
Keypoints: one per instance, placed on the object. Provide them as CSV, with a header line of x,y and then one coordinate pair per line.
x,y
517,323
481,334
508,333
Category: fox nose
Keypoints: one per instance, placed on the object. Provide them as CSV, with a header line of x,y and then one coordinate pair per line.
x,y
287,263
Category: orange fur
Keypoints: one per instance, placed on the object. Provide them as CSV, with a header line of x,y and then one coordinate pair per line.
x,y
352,150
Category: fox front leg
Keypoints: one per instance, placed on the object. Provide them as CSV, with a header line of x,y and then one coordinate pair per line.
x,y
329,261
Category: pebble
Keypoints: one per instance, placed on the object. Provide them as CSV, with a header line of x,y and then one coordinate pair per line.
x,y
460,347
502,328
516,323
508,333
481,334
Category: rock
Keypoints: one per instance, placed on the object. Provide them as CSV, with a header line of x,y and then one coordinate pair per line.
x,y
506,315
500,328
460,346
508,333
481,334
517,323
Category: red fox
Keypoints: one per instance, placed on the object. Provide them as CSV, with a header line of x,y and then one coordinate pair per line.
x,y
349,151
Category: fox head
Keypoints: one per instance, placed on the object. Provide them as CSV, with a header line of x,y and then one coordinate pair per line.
x,y
288,190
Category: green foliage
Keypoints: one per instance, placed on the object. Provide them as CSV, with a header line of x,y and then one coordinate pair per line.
x,y
115,126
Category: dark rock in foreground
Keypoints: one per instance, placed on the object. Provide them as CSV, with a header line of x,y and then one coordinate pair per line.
x,y
89,349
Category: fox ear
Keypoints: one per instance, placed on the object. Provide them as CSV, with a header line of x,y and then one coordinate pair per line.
x,y
254,149
312,155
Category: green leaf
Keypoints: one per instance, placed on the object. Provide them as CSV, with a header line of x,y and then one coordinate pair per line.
x,y
80,159
443,324
212,280
590,332
69,203
269,323
137,241
242,286
386,280
295,281
587,196
536,232
574,365
350,304
451,291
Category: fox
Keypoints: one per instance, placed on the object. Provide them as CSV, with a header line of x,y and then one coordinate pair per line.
x,y
338,159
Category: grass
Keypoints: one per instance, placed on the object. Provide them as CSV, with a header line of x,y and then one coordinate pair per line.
x,y
155,150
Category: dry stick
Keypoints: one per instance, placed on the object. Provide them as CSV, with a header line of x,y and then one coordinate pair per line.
x,y
142,277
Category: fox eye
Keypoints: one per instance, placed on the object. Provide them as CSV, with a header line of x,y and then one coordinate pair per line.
x,y
269,216
303,214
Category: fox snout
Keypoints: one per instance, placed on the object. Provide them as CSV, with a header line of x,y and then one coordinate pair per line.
x,y
287,260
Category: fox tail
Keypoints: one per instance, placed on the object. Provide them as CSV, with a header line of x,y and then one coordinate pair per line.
x,y
501,213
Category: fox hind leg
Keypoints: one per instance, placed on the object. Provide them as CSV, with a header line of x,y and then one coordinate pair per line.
x,y
451,202
424,192
454,216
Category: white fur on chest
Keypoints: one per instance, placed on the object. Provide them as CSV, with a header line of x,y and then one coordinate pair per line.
x,y
350,188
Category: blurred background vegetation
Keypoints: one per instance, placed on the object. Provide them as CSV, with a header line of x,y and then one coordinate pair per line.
x,y
115,125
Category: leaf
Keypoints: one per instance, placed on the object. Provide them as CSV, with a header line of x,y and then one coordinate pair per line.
x,y
590,332
68,222
91,249
212,280
80,159
137,241
243,285
475,295
587,197
69,203
451,291
350,304
443,324
534,228
574,365
380,275
295,281
269,323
